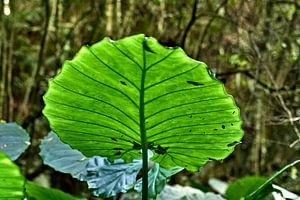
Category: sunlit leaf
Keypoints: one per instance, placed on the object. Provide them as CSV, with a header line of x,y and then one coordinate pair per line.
x,y
14,140
113,93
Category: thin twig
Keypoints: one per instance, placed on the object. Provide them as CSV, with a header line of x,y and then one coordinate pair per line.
x,y
190,24
37,68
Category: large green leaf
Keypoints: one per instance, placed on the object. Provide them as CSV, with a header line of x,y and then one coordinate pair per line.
x,y
14,140
114,94
11,179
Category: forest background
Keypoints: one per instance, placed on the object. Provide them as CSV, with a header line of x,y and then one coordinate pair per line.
x,y
253,47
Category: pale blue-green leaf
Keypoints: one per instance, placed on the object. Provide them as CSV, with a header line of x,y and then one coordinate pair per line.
x,y
61,156
107,179
178,192
157,179
14,140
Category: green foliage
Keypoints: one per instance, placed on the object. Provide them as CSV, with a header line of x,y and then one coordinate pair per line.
x,y
245,186
254,187
37,192
265,187
14,186
114,94
11,180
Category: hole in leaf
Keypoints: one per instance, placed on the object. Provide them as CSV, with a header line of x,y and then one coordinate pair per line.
x,y
117,148
151,145
161,150
118,153
194,83
233,144
146,46
212,159
122,82
190,130
231,124
233,112
114,139
223,126
136,146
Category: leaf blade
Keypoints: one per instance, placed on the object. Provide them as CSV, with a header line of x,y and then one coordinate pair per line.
x,y
133,83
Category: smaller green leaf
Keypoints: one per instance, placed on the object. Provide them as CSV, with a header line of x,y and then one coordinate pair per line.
x,y
14,140
107,179
37,192
244,186
267,184
61,156
11,179
157,179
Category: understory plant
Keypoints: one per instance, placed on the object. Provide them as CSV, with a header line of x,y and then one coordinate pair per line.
x,y
121,107
122,99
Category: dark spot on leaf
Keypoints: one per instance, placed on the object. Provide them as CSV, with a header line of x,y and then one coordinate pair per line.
x,y
124,83
215,129
231,124
161,150
223,126
136,146
146,46
118,153
194,83
203,118
191,116
117,148
114,139
212,159
233,144
190,130
233,112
